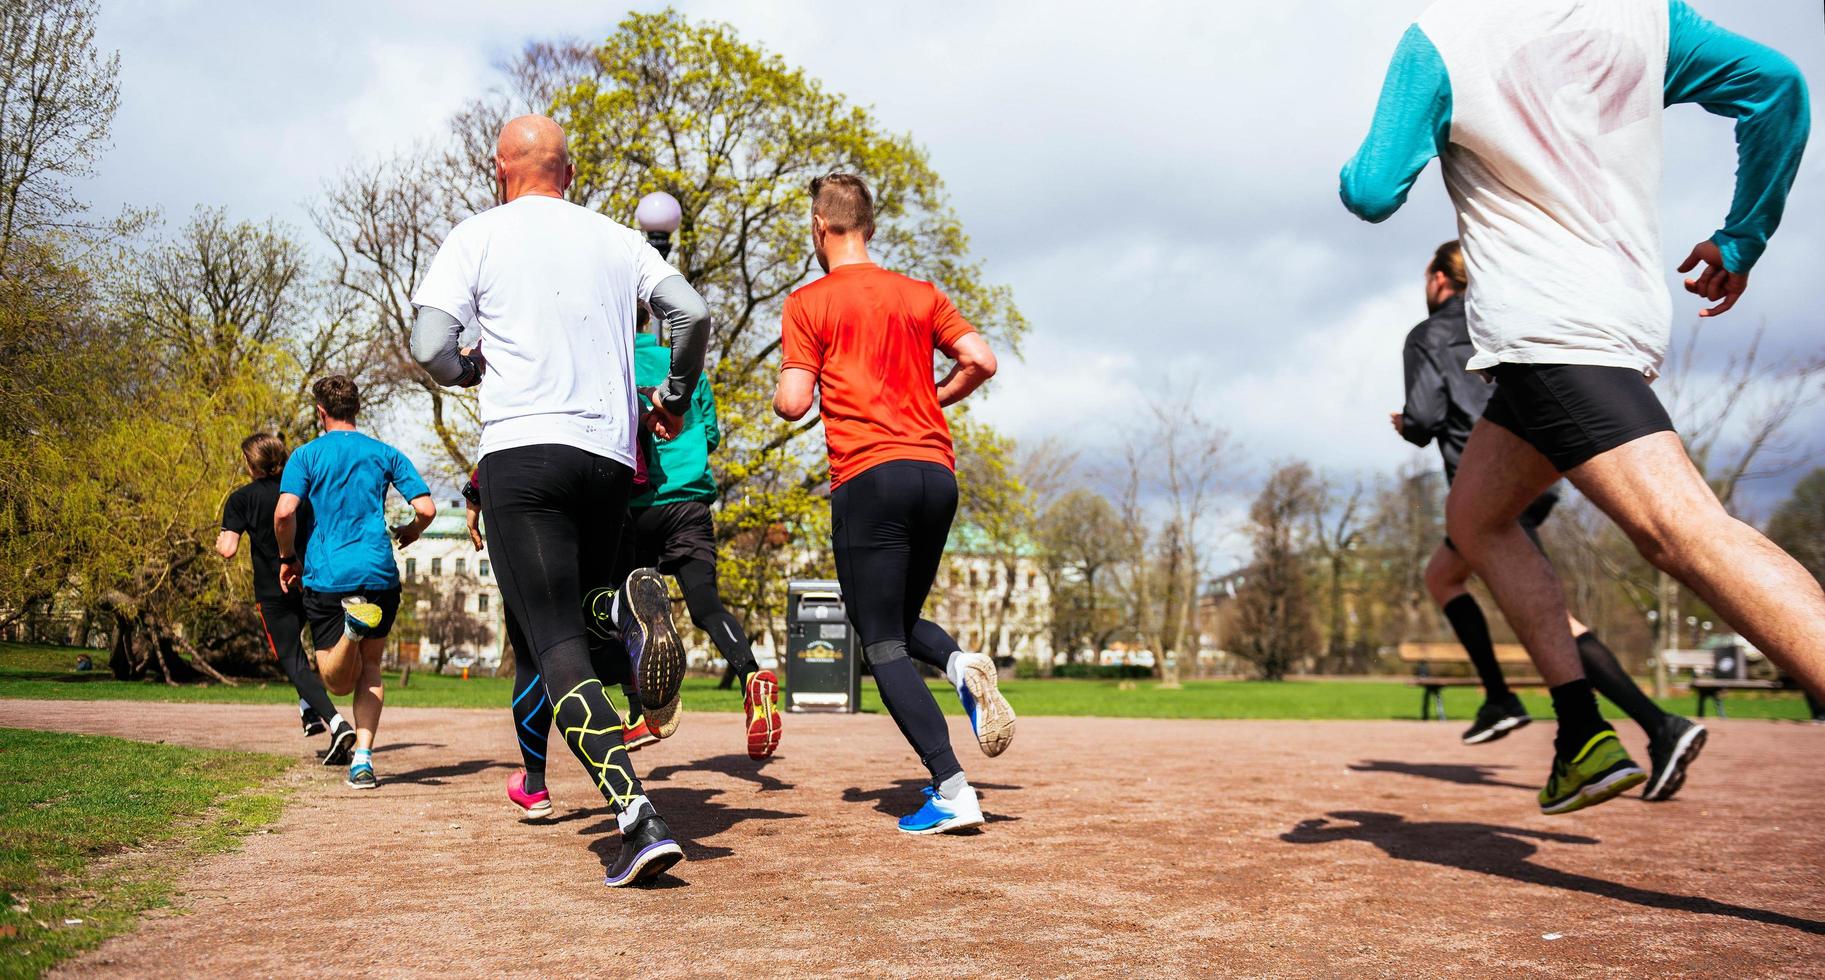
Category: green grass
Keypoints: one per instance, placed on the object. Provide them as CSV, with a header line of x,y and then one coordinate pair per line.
x,y
94,831
46,672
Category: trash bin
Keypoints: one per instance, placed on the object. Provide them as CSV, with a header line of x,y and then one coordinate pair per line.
x,y
1728,663
822,669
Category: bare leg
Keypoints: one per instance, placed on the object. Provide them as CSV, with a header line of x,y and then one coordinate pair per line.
x,y
1498,477
1651,490
1446,575
368,694
336,664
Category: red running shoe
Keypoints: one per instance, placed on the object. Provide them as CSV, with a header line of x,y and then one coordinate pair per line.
x,y
760,699
638,736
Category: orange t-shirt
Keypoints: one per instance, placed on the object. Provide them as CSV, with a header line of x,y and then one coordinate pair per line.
x,y
868,335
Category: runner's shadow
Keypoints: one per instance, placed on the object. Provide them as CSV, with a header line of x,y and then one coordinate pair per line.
x,y
904,796
436,775
692,814
1505,852
738,766
401,746
1467,775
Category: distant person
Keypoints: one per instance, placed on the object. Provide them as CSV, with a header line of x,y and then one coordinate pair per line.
x,y
349,576
860,341
1443,401
553,288
249,511
1546,116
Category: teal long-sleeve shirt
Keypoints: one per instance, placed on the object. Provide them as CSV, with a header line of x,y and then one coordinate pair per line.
x,y
1725,73
679,469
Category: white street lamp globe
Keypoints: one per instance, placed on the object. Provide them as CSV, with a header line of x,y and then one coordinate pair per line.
x,y
658,211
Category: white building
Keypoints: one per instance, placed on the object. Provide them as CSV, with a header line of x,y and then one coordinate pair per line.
x,y
443,560
972,583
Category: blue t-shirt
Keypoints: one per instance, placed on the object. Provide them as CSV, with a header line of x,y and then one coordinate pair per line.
x,y
344,476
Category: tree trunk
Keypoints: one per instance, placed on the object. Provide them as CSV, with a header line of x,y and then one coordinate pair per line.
x,y
1669,630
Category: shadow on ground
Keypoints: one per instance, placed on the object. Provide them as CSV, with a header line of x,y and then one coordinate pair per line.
x,y
693,815
1505,852
1467,775
435,775
903,797
737,766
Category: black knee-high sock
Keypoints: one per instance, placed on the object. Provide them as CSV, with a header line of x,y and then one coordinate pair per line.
x,y
1576,706
910,703
1611,681
1466,618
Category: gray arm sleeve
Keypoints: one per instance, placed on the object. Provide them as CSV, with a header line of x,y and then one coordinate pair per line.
x,y
436,343
687,322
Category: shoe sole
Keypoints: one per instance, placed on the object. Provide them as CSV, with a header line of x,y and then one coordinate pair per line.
x,y
642,742
538,811
1499,730
339,743
351,784
949,825
662,722
763,743
994,715
362,617
650,863
1602,791
661,655
1674,777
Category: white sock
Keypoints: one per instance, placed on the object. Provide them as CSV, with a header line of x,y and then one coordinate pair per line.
x,y
633,813
952,786
303,706
363,757
337,722
953,669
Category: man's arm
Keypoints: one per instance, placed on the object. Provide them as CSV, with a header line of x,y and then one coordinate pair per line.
x,y
687,324
227,543
285,531
792,399
975,363
1423,417
437,347
1412,125
423,509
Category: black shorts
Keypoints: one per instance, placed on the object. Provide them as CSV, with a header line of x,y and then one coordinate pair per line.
x,y
324,612
1531,518
1573,413
669,535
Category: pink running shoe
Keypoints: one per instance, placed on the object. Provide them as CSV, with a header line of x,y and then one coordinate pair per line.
x,y
532,806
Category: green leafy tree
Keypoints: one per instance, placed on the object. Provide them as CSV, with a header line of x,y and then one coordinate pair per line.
x,y
994,501
1798,525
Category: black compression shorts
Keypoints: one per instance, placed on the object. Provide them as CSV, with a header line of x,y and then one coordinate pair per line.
x,y
323,610
1573,413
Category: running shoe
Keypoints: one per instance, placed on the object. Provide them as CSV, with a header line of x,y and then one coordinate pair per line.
x,y
360,617
644,612
532,806
1495,719
638,736
342,746
760,701
662,721
1670,751
991,717
1601,771
361,776
939,815
647,850
312,722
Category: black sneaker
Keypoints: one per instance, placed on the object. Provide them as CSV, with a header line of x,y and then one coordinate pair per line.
x,y
1495,720
646,852
1671,750
312,722
645,615
342,746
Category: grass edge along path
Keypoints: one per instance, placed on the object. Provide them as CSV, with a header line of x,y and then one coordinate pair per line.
x,y
95,831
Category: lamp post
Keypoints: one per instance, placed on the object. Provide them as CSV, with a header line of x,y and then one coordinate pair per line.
x,y
658,214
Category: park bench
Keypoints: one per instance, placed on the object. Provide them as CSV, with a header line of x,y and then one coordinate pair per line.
x,y
1712,689
1427,658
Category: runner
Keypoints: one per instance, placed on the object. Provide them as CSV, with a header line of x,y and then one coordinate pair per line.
x,y
1443,402
349,576
553,288
1546,115
864,337
249,511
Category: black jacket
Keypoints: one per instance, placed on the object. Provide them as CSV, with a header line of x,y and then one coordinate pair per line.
x,y
1443,399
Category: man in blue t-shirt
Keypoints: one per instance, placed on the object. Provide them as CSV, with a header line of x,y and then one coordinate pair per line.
x,y
349,576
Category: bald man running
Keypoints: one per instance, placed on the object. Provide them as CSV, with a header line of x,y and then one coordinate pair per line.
x,y
554,289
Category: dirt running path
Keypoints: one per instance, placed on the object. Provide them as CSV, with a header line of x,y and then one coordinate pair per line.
x,y
1116,847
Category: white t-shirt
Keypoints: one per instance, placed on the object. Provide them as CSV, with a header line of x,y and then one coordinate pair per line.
x,y
554,289
1554,166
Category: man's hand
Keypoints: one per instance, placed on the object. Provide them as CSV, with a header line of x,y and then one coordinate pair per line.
x,y
407,533
290,570
1716,282
475,526
1400,422
664,423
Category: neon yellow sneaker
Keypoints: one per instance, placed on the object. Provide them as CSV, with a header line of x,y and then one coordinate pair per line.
x,y
360,617
1600,771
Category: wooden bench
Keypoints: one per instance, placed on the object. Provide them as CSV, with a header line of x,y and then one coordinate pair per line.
x,y
1426,658
1712,689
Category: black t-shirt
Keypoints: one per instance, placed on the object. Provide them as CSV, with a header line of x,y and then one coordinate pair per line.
x,y
249,511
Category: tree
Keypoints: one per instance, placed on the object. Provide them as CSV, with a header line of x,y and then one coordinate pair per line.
x,y
1336,533
447,622
58,94
1275,616
994,501
1798,525
1080,537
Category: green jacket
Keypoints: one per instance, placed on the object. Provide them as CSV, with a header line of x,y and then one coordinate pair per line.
x,y
679,469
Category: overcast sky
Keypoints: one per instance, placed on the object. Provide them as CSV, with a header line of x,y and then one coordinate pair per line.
x,y
1156,181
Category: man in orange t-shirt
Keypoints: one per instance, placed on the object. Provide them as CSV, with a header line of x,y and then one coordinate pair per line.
x,y
864,337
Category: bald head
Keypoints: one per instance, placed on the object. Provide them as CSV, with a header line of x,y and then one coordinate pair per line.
x,y
531,158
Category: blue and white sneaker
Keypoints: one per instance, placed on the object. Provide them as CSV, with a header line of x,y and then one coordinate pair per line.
x,y
361,776
991,717
940,815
